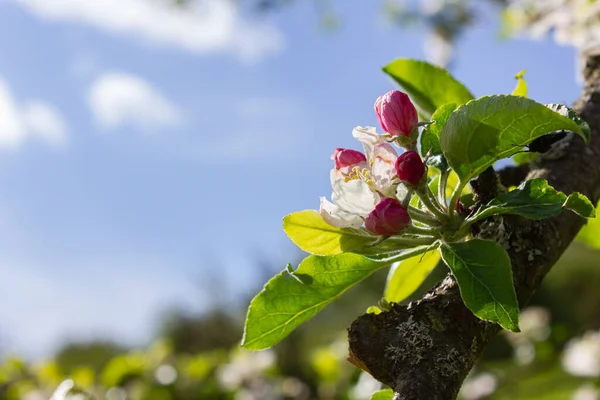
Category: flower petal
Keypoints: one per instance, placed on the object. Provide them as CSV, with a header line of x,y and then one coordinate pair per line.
x,y
383,168
385,151
335,175
337,217
354,197
369,138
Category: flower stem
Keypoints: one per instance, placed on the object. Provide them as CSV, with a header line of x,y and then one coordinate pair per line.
x,y
434,200
425,195
455,196
404,254
411,242
442,184
422,217
423,231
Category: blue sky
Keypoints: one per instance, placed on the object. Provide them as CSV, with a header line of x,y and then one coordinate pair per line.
x,y
139,157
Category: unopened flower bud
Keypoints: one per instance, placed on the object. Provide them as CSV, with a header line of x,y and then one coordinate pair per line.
x,y
410,167
389,218
459,207
396,113
347,158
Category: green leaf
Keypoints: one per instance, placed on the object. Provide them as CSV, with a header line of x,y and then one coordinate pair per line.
x,y
573,116
521,88
580,205
430,138
311,233
490,128
524,157
385,394
535,199
406,276
590,233
484,275
428,86
373,310
290,299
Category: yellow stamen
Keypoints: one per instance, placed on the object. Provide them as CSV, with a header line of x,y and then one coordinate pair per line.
x,y
357,173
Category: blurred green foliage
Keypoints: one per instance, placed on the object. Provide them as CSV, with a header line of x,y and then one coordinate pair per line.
x,y
197,356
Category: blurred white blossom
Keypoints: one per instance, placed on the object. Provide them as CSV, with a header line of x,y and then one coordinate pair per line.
x,y
572,22
535,327
244,366
478,386
365,387
37,395
581,356
165,374
116,393
439,48
587,392
65,391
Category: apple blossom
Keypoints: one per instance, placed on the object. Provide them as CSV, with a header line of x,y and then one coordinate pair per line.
x,y
389,218
396,113
410,168
347,158
358,188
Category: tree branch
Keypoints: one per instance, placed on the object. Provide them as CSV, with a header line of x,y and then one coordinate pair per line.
x,y
513,175
426,349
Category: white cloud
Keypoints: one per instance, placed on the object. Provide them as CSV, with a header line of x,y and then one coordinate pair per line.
x,y
206,27
12,131
31,120
43,121
118,99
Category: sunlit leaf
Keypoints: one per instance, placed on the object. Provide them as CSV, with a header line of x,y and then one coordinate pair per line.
x,y
568,112
428,86
290,299
484,275
430,138
385,394
535,199
521,88
490,128
581,205
406,276
311,233
590,233
373,310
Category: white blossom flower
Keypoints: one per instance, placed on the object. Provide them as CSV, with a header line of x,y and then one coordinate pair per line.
x,y
587,391
535,327
358,188
573,22
479,386
245,365
581,356
365,387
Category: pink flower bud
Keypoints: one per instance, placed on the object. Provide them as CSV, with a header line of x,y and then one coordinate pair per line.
x,y
410,167
396,114
347,158
389,218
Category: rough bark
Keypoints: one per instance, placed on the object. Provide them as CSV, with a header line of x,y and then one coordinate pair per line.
x,y
426,349
513,175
